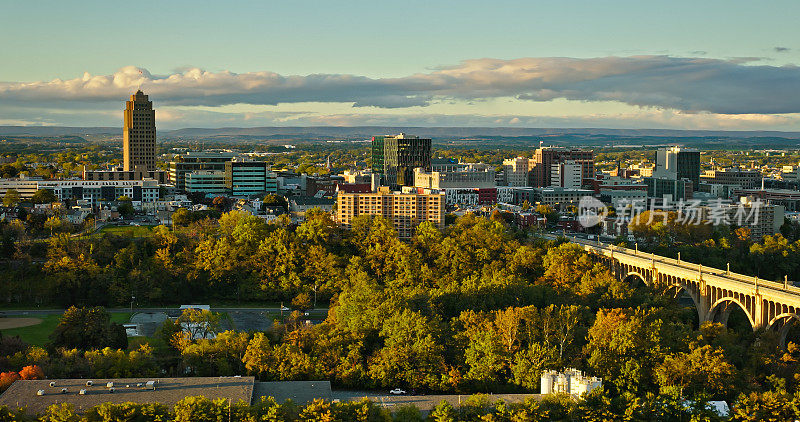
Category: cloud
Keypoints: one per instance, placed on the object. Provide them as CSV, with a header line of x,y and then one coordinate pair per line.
x,y
782,49
644,119
692,85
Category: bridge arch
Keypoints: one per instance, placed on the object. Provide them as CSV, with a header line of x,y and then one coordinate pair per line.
x,y
678,286
782,323
720,310
638,275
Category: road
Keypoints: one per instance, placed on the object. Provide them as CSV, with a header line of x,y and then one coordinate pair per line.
x,y
424,403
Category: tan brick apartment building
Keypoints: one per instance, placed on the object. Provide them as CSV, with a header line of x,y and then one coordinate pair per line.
x,y
405,210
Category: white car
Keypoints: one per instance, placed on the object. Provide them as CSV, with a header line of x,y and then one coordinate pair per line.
x,y
397,392
283,308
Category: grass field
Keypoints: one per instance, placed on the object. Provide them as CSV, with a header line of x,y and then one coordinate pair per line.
x,y
39,334
134,231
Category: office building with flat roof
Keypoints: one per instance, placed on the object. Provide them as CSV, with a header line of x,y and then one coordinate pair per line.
x,y
396,157
193,161
244,178
678,163
139,134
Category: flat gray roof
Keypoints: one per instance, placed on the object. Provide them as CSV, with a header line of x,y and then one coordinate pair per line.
x,y
300,392
168,391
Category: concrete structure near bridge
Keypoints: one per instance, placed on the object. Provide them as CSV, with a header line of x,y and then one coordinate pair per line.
x,y
768,305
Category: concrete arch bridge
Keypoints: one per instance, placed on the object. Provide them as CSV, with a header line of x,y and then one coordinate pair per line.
x,y
768,305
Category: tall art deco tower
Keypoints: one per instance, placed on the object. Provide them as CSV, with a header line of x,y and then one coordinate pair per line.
x,y
139,134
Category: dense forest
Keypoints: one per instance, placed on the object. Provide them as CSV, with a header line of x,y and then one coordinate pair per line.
x,y
478,307
769,407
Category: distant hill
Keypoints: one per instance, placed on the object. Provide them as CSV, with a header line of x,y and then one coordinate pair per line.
x,y
366,131
449,132
470,137
58,131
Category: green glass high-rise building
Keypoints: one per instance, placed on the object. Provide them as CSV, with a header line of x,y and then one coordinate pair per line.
x,y
396,157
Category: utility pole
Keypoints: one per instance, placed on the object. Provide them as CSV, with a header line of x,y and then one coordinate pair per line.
x,y
315,295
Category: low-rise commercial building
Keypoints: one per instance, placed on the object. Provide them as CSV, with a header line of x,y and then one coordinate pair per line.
x,y
789,199
559,196
453,179
470,196
35,396
93,192
748,179
205,181
621,198
300,204
161,176
665,187
25,186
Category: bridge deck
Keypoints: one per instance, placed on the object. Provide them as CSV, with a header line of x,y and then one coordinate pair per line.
x,y
682,268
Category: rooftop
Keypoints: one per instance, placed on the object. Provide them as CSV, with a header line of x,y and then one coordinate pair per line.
x,y
24,393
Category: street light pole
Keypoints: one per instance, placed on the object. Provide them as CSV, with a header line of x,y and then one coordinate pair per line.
x,y
133,298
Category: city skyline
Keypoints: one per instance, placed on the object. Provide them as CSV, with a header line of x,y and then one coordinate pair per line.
x,y
625,65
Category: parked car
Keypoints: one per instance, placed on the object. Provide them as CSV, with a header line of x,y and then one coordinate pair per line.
x,y
283,308
397,392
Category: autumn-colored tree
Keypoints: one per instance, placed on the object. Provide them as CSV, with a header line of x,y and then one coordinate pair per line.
x,y
703,370
31,372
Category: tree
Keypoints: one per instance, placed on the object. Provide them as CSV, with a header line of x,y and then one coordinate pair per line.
x,y
565,265
88,328
443,412
272,200
200,323
125,206
220,202
31,372
64,412
44,196
548,212
302,302
11,198
626,345
703,370
53,223
181,217
411,354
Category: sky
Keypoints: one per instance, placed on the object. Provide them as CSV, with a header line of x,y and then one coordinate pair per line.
x,y
721,65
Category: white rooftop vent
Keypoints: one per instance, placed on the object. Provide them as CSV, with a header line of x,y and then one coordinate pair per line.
x,y
82,392
109,385
89,383
40,393
64,391
52,383
150,385
111,390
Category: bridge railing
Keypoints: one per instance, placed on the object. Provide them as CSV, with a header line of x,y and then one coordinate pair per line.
x,y
776,285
